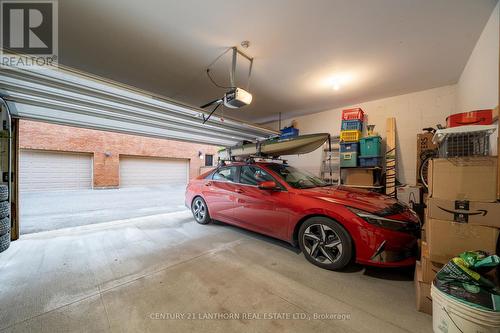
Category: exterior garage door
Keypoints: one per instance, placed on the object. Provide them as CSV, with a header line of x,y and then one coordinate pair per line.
x,y
139,171
54,171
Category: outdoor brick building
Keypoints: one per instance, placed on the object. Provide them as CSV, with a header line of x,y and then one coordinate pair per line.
x,y
96,155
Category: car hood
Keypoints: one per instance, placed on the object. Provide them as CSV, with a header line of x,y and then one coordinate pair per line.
x,y
371,202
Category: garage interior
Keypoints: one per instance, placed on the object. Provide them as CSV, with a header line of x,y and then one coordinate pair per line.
x,y
96,154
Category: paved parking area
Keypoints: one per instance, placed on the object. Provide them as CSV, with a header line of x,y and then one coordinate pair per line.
x,y
42,211
167,273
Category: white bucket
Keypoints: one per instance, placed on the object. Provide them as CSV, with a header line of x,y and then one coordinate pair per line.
x,y
452,316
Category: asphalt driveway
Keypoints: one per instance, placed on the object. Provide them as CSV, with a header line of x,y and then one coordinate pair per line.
x,y
56,210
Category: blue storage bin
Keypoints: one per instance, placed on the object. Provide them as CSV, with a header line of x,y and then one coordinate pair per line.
x,y
352,125
370,161
349,147
289,132
371,146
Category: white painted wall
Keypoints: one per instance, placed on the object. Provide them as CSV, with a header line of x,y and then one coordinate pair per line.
x,y
477,87
412,111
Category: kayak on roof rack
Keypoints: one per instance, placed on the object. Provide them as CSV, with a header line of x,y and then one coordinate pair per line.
x,y
276,147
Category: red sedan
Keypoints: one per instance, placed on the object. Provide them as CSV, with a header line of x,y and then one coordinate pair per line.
x,y
333,225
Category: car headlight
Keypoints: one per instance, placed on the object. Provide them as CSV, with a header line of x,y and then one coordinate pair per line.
x,y
385,222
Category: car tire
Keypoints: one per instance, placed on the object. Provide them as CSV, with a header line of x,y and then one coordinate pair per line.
x,y
4,193
4,242
4,209
200,212
325,243
4,226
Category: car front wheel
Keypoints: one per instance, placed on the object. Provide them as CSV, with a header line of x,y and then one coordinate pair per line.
x,y
325,243
200,211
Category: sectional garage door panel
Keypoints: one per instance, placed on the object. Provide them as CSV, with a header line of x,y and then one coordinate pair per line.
x,y
138,171
54,171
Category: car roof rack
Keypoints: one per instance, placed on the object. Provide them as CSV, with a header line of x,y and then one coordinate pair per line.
x,y
251,159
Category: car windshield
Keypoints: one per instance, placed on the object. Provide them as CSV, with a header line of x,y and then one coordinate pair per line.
x,y
297,178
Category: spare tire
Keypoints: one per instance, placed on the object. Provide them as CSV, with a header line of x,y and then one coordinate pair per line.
x,y
4,225
4,209
4,193
4,242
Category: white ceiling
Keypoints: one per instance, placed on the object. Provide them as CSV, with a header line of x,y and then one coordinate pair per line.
x,y
387,47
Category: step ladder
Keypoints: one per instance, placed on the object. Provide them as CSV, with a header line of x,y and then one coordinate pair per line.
x,y
330,161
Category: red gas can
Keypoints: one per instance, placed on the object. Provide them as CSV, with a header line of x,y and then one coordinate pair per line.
x,y
479,117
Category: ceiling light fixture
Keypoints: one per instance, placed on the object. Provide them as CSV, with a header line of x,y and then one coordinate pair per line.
x,y
339,80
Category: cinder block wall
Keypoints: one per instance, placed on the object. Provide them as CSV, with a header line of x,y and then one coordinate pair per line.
x,y
43,136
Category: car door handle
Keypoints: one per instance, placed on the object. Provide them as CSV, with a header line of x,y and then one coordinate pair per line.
x,y
239,190
208,184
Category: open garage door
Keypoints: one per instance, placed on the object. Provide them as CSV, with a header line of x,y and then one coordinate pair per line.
x,y
69,97
139,171
54,171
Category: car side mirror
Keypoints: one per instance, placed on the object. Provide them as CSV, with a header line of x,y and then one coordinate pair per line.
x,y
268,185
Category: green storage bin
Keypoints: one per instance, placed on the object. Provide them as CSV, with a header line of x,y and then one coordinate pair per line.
x,y
348,160
371,146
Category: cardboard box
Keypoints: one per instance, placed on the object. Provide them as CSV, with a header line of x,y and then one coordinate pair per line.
x,y
471,212
360,177
472,179
447,239
409,194
422,291
424,143
429,269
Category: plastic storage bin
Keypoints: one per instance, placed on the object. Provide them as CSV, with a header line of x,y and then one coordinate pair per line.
x,y
350,125
371,146
370,162
348,160
478,117
289,132
350,136
353,114
349,147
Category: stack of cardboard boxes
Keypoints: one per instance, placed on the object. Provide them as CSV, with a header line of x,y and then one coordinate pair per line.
x,y
462,214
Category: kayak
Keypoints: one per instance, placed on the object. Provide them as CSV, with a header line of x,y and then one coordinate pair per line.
x,y
298,145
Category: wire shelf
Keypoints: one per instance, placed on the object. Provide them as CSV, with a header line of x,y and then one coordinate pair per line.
x,y
464,141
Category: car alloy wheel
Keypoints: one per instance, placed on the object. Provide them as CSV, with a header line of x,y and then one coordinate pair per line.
x,y
322,243
200,211
325,243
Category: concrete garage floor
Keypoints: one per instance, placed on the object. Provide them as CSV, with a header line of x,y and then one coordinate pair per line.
x,y
143,273
43,211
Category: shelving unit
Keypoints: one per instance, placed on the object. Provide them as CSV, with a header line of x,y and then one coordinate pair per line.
x,y
376,174
354,172
330,162
365,186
